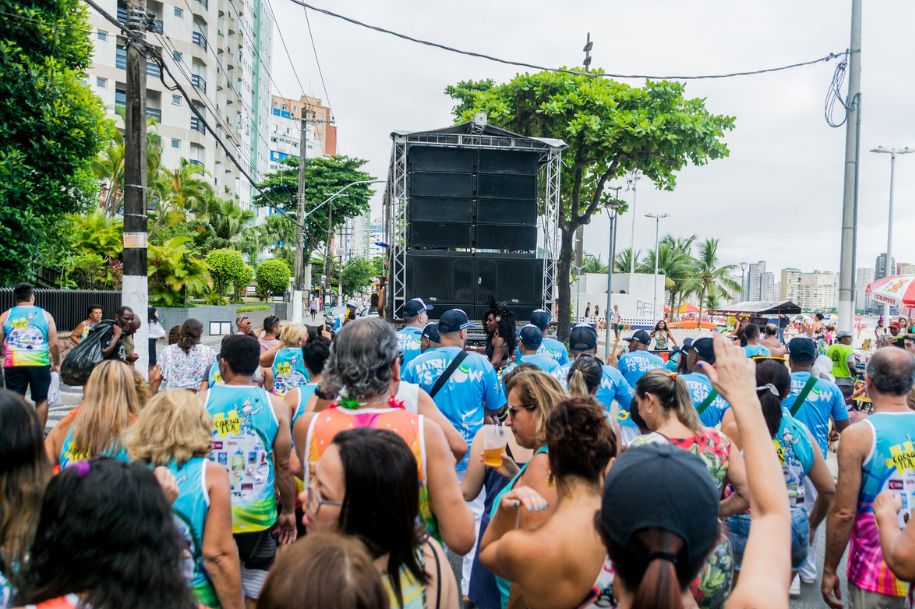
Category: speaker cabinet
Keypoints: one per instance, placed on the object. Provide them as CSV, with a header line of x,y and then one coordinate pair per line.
x,y
440,235
503,237
446,185
447,278
427,209
437,158
510,279
508,161
507,211
506,186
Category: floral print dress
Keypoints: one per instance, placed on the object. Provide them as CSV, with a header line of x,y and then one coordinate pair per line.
x,y
712,587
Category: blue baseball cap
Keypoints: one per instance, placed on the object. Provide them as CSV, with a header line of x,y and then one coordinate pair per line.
x,y
541,319
802,349
583,338
430,331
414,307
453,320
640,336
531,336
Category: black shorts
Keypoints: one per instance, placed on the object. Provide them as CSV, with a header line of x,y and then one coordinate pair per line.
x,y
256,550
36,378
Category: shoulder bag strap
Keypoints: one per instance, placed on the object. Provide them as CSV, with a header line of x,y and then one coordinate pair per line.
x,y
799,401
447,373
711,397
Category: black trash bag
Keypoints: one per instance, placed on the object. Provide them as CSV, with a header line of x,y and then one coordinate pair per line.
x,y
80,361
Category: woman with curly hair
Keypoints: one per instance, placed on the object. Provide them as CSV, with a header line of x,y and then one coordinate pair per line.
x,y
105,539
24,473
499,324
174,431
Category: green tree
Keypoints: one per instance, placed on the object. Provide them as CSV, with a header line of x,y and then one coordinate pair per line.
x,y
592,264
623,258
226,268
225,222
611,128
272,277
323,178
357,275
675,262
175,273
51,127
96,242
242,281
378,266
708,280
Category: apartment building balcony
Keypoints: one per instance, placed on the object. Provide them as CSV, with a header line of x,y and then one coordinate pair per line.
x,y
197,125
199,39
199,82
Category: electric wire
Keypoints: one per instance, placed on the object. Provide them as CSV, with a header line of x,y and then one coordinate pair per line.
x,y
533,66
834,96
318,61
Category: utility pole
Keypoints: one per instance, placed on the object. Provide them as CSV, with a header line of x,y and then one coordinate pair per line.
x,y
325,281
579,239
134,285
887,269
657,227
632,180
850,195
300,287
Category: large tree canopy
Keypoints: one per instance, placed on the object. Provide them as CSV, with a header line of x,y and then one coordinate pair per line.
x,y
51,127
324,177
611,128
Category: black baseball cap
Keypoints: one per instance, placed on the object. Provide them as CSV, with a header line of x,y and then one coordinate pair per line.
x,y
704,348
661,486
430,331
531,336
453,320
687,343
802,349
540,318
640,336
414,307
583,338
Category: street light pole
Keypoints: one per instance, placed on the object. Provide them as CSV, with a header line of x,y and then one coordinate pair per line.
x,y
657,228
743,281
608,315
889,227
632,180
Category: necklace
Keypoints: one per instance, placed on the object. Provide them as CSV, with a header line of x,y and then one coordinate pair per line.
x,y
354,404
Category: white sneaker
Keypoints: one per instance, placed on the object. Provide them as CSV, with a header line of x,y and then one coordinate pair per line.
x,y
795,590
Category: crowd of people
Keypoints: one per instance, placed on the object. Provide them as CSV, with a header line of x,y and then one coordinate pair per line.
x,y
376,468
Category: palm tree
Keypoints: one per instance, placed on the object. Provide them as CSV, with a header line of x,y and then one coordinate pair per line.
x,y
622,260
183,192
710,281
108,168
226,221
674,263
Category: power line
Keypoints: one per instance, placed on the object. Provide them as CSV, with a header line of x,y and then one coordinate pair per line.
x,y
286,49
317,61
532,66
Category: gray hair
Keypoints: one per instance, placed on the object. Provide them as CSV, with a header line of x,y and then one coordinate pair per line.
x,y
892,371
361,358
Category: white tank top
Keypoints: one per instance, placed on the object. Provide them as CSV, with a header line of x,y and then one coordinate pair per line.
x,y
408,393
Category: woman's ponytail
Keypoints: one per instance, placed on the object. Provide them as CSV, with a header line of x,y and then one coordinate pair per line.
x,y
659,587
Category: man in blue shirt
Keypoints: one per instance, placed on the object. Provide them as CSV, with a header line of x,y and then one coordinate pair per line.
x,y
753,348
613,387
530,343
429,338
415,313
710,406
823,401
472,388
549,347
638,359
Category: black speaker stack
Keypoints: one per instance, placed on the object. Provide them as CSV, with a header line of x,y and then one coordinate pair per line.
x,y
472,229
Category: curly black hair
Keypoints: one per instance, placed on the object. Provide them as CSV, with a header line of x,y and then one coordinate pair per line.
x,y
107,532
505,320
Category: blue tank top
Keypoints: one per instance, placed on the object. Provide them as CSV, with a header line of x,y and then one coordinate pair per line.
x,y
25,333
244,429
795,453
289,369
215,377
68,454
305,392
190,514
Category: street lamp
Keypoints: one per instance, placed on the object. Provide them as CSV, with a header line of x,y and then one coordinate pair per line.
x,y
889,231
631,182
608,315
657,227
744,289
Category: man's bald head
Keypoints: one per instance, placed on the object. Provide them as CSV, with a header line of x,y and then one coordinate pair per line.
x,y
891,371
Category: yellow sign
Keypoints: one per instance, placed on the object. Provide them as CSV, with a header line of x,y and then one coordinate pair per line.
x,y
225,425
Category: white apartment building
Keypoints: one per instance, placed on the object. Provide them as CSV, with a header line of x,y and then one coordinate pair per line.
x,y
220,52
815,291
285,130
358,237
863,277
760,283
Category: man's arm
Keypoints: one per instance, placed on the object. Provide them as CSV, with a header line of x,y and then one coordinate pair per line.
x,y
77,334
898,546
821,478
839,412
220,555
300,437
53,345
854,446
282,447
455,519
116,332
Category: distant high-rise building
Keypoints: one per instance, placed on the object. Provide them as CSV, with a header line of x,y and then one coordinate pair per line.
x,y
881,267
285,130
862,301
904,268
760,283
814,291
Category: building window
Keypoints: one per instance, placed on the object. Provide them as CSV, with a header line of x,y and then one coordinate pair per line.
x,y
176,55
176,100
176,143
100,82
179,12
102,35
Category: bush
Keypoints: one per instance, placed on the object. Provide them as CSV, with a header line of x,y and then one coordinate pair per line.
x,y
241,283
226,268
252,308
272,277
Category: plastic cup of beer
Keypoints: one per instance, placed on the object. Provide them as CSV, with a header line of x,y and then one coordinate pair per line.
x,y
495,438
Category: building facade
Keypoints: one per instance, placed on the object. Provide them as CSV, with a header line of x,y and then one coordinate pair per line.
x,y
285,130
881,267
760,282
813,291
863,302
220,53
905,268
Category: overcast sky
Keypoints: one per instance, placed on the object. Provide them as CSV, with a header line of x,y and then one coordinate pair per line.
x,y
778,197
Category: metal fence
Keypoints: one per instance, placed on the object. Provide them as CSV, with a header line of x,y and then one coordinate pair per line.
x,y
69,307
